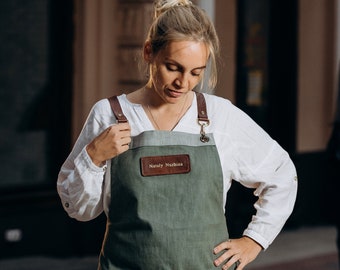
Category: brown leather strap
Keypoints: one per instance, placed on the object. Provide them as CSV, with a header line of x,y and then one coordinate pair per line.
x,y
201,108
117,109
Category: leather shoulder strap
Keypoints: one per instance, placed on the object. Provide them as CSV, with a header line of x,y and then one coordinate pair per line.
x,y
201,108
202,117
117,109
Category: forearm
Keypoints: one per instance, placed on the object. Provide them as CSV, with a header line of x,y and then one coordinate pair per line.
x,y
275,204
79,186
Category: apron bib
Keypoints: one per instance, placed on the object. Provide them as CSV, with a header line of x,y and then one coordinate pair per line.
x,y
166,204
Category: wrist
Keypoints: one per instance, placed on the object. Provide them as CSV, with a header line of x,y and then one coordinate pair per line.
x,y
253,241
92,154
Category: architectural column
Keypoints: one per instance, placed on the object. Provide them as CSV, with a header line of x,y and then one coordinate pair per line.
x,y
94,56
226,26
318,72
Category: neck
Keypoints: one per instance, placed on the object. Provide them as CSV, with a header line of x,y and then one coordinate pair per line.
x,y
165,116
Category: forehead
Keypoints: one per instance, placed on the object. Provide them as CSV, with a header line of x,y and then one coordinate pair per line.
x,y
185,52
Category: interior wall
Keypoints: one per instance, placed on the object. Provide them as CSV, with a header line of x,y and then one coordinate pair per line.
x,y
94,74
336,95
317,72
94,57
223,14
208,6
226,27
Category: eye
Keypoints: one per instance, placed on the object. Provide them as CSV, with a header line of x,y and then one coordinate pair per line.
x,y
172,67
196,73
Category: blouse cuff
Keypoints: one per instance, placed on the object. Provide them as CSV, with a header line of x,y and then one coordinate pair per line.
x,y
257,238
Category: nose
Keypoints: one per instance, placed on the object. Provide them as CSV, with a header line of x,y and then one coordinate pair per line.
x,y
182,81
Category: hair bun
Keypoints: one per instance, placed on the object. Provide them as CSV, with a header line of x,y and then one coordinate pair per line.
x,y
163,5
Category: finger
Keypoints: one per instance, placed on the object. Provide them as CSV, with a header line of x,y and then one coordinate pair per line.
x,y
126,141
224,257
124,148
121,149
223,246
123,126
116,135
233,260
116,128
125,133
240,264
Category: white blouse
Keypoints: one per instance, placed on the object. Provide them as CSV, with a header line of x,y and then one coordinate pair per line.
x,y
247,154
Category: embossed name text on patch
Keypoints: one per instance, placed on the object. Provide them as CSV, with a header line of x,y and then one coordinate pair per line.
x,y
162,165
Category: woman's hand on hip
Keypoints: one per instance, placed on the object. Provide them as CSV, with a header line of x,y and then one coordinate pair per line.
x,y
111,142
241,251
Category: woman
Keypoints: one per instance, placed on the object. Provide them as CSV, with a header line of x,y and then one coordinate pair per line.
x,y
160,160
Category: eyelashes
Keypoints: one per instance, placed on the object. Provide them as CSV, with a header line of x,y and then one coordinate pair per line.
x,y
176,68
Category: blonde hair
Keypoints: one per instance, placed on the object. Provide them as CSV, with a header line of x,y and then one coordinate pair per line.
x,y
163,5
181,20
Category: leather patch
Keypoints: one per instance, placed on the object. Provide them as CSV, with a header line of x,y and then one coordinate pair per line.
x,y
164,165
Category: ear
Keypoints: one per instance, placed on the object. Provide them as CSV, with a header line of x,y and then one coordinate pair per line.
x,y
147,52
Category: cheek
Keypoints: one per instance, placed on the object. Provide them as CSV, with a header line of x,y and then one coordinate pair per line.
x,y
196,80
163,76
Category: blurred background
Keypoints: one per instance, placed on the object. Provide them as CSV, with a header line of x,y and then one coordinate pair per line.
x,y
280,64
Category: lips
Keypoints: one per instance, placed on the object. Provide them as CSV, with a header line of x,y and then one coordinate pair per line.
x,y
174,94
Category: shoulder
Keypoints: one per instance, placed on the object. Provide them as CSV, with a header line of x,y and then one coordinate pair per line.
x,y
216,104
228,118
103,106
219,108
102,113
213,100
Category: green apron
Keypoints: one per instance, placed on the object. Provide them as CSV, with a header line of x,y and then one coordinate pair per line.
x,y
166,203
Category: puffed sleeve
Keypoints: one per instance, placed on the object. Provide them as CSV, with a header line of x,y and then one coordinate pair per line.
x,y
265,166
80,183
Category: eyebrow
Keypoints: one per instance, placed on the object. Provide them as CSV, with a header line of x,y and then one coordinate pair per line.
x,y
202,67
175,62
